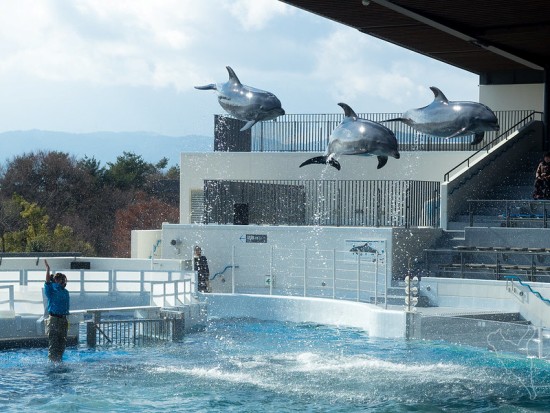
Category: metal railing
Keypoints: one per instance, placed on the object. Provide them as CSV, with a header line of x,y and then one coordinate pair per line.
x,y
134,332
512,278
311,132
324,202
509,213
170,288
358,274
11,297
524,119
493,263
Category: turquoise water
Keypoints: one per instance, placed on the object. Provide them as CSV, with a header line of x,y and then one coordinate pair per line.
x,y
252,366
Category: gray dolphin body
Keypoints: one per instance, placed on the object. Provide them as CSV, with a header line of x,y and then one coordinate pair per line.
x,y
447,119
357,136
244,102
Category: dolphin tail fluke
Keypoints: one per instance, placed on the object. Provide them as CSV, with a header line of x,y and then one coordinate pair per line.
x,y
382,160
248,125
478,137
324,160
211,86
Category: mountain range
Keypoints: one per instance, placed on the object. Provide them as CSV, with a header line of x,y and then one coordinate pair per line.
x,y
103,146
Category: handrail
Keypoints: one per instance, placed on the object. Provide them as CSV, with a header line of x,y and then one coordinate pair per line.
x,y
491,143
508,204
223,271
536,293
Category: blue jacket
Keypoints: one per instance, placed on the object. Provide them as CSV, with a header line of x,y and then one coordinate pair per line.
x,y
58,298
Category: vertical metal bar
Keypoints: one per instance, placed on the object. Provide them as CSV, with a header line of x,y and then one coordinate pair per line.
x,y
358,275
305,271
233,269
333,273
271,271
376,279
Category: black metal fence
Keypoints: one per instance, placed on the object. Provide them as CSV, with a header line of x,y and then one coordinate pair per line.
x,y
132,332
509,213
327,203
311,132
529,116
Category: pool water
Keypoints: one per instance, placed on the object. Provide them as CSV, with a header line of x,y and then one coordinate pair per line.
x,y
242,365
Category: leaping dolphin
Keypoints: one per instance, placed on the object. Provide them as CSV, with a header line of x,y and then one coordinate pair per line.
x,y
244,102
446,119
357,136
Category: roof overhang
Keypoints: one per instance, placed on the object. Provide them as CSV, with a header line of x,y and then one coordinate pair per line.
x,y
491,36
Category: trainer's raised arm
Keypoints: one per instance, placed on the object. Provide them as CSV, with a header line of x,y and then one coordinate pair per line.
x,y
48,276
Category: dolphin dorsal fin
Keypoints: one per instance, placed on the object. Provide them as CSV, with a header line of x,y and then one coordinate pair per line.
x,y
348,112
438,95
232,75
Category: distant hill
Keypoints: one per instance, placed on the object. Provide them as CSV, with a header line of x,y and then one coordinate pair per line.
x,y
103,146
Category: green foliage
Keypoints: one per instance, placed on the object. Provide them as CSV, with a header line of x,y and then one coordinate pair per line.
x,y
129,171
65,204
36,235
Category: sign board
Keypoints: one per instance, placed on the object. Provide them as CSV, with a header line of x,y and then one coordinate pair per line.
x,y
254,238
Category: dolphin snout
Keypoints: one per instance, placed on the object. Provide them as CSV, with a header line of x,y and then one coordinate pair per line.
x,y
396,155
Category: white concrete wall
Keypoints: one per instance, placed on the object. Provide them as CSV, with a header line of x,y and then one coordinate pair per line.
x,y
145,244
216,242
375,321
469,295
195,167
36,265
513,97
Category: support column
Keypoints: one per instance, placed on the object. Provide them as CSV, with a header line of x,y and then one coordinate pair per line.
x,y
546,114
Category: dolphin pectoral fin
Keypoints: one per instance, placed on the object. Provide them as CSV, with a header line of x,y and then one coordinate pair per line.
x,y
211,86
248,125
382,160
456,134
322,160
394,120
478,137
333,162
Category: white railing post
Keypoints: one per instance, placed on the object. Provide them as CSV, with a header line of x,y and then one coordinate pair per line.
x,y
271,272
305,271
376,278
110,281
358,275
385,278
81,280
333,273
24,277
233,269
142,281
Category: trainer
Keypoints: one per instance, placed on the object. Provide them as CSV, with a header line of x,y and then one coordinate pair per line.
x,y
58,309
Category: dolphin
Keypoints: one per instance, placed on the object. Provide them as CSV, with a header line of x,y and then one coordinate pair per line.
x,y
357,136
244,102
447,119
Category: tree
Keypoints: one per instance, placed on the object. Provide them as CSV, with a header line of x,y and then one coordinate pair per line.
x,y
80,195
145,213
35,235
129,171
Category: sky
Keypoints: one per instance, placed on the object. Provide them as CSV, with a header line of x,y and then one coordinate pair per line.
x,y
84,66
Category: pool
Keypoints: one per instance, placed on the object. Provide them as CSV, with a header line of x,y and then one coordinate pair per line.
x,y
244,365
